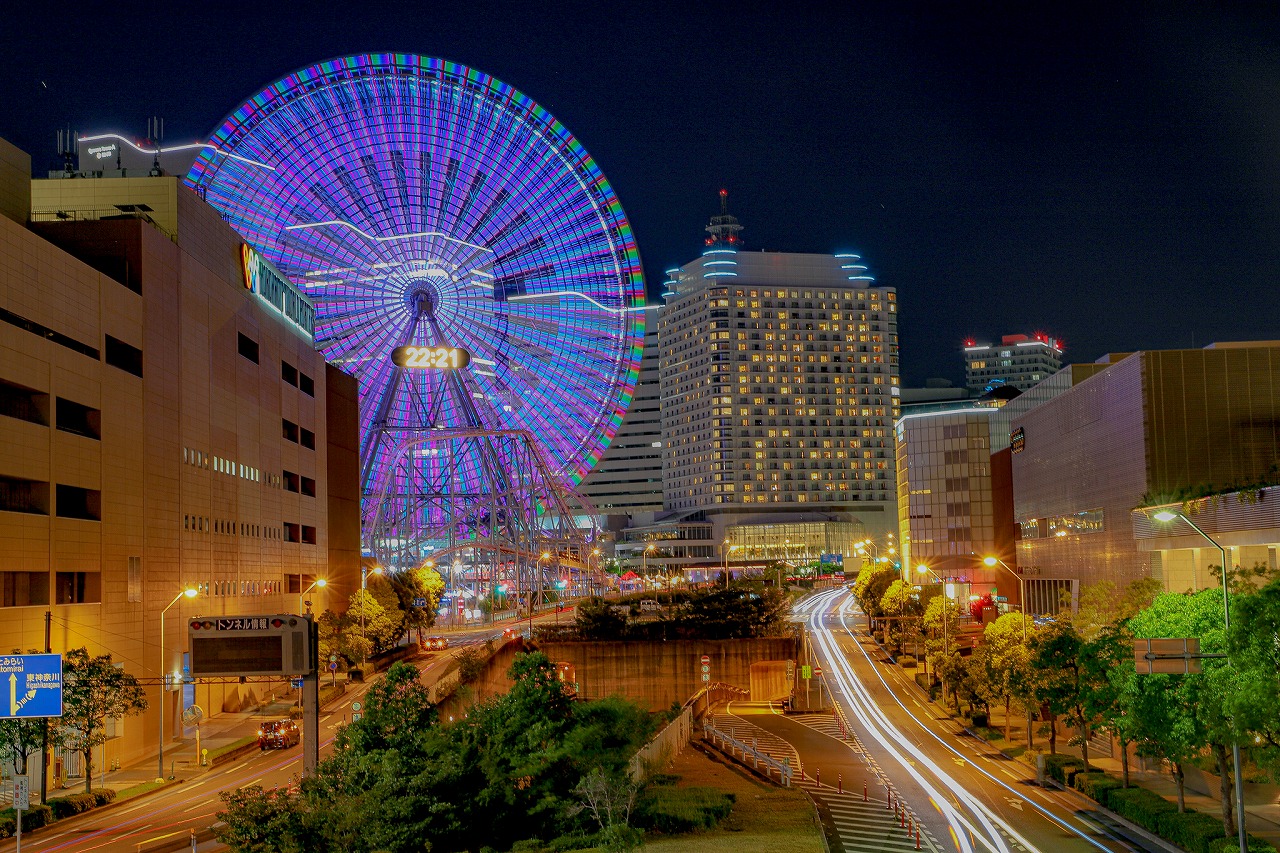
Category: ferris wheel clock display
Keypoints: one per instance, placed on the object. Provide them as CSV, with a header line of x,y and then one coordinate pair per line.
x,y
468,261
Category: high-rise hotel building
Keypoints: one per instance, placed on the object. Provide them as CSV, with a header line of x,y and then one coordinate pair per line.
x,y
1019,361
780,387
166,423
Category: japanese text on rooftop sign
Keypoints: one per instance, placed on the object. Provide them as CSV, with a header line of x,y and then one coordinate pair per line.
x,y
244,623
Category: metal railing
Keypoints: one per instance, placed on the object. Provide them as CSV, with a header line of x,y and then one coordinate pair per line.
x,y
760,761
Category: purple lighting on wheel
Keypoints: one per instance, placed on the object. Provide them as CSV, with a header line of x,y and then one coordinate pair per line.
x,y
419,202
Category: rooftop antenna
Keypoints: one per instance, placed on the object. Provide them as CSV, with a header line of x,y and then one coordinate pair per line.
x,y
67,152
724,228
155,135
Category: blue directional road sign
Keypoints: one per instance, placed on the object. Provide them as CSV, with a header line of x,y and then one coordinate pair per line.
x,y
419,602
30,686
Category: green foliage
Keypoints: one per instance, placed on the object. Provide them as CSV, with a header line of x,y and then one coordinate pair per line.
x,y
94,691
1139,805
399,779
1232,845
34,818
869,588
1096,785
74,804
672,810
1062,768
597,620
471,663
422,582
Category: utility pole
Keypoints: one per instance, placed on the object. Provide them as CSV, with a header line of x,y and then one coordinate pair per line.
x,y
44,749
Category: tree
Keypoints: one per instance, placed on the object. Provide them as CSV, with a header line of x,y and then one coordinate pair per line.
x,y
19,740
1006,661
609,799
597,620
1176,716
940,625
94,690
869,588
380,626
424,582
1073,678
901,604
340,635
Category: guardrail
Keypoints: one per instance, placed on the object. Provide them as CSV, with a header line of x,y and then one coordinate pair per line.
x,y
727,743
713,694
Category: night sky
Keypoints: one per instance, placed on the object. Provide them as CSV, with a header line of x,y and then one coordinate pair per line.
x,y
1106,174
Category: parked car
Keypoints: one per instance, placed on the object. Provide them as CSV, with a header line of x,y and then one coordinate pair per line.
x,y
278,734
437,643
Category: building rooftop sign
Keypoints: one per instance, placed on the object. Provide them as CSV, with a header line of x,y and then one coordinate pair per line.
x,y
263,279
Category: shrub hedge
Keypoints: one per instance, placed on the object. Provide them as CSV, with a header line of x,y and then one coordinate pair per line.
x,y
1063,768
1197,832
33,818
673,810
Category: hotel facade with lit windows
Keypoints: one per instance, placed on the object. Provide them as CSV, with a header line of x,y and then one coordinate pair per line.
x,y
1019,361
780,391
164,427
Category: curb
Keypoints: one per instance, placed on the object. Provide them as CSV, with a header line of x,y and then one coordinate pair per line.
x,y
101,810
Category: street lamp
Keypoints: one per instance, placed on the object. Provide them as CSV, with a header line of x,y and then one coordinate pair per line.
x,y
364,584
1165,516
946,599
595,580
190,592
1022,592
320,583
726,551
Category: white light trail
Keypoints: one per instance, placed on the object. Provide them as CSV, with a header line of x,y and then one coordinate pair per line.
x,y
187,147
342,223
556,294
838,658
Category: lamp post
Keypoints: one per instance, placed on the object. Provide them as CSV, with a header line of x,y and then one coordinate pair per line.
x,y
186,593
726,550
1165,516
594,584
320,583
1022,591
545,555
364,585
946,599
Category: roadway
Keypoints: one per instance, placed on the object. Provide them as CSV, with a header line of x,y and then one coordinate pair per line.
x,y
165,820
966,794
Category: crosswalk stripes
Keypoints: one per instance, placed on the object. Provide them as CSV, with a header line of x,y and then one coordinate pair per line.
x,y
863,826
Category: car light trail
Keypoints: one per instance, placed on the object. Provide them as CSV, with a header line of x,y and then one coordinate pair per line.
x,y
856,693
894,741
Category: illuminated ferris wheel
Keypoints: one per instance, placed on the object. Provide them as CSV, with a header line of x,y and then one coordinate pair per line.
x,y
436,213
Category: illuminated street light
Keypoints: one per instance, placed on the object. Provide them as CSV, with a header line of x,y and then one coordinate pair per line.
x,y
189,592
727,548
1165,516
364,584
316,584
1022,591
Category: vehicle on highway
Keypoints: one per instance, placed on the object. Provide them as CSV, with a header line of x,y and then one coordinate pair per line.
x,y
278,734
649,605
437,643
512,632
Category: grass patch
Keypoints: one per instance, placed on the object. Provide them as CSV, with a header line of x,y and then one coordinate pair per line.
x,y
140,789
989,734
235,744
764,817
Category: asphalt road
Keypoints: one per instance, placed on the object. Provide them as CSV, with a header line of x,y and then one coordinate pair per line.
x,y
172,814
967,795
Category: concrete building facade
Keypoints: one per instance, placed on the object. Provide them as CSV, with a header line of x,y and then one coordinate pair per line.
x,y
1019,361
164,426
1145,428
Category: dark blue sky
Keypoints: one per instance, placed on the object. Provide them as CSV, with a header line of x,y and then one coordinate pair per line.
x,y
1108,174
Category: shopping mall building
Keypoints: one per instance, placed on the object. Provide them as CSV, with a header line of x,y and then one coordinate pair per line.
x,y
167,423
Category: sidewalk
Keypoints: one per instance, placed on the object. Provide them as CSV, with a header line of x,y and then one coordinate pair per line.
x,y
1262,811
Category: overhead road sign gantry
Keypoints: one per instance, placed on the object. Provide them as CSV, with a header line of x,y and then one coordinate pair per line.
x,y
32,686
